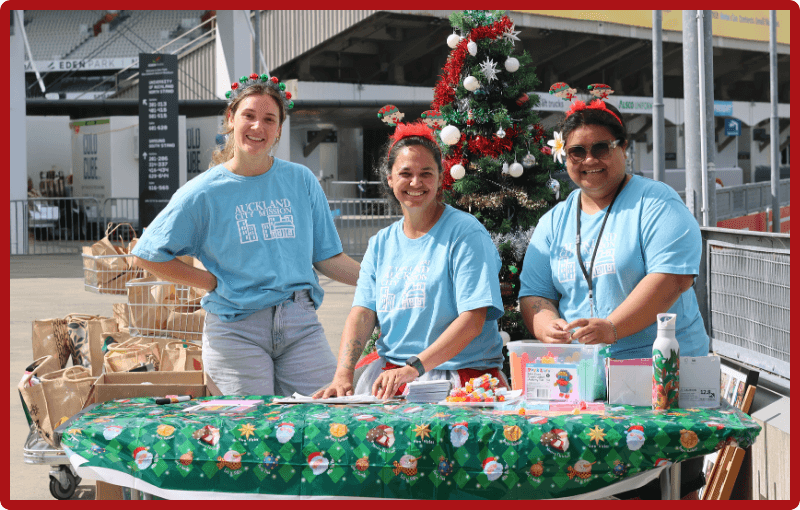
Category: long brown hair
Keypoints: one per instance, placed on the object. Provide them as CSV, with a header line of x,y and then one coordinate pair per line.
x,y
220,156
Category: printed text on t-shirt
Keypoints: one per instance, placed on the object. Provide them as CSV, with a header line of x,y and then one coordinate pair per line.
x,y
276,219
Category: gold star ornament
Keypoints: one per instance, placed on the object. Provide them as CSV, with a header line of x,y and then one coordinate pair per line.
x,y
597,434
247,430
422,431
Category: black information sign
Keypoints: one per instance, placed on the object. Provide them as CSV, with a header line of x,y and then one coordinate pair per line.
x,y
158,133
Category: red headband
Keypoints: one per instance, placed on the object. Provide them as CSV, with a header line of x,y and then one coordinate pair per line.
x,y
416,128
594,105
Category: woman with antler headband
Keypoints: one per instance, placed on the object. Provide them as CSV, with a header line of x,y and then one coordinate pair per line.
x,y
618,251
430,280
259,225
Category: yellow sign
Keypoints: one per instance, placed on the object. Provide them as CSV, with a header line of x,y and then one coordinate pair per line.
x,y
736,24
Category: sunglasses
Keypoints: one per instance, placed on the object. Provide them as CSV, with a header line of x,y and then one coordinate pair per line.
x,y
599,150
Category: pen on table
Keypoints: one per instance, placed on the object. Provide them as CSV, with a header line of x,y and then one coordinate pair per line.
x,y
172,399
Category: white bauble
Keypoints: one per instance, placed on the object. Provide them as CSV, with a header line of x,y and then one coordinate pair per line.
x,y
515,170
453,40
457,171
471,83
450,135
505,336
472,48
511,64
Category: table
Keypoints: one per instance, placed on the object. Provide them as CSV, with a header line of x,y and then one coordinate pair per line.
x,y
393,450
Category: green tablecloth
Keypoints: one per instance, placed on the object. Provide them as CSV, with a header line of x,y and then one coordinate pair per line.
x,y
419,451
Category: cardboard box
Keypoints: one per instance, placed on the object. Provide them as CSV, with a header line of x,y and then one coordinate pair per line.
x,y
699,382
151,384
630,381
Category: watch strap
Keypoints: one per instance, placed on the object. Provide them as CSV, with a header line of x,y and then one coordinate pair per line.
x,y
414,361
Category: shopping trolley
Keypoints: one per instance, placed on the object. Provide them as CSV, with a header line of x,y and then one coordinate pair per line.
x,y
63,478
165,310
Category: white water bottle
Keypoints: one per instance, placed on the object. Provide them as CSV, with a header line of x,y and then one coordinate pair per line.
x,y
666,363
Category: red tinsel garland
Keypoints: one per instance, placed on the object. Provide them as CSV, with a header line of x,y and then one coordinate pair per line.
x,y
445,90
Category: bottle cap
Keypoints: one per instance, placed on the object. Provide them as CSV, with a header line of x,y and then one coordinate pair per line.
x,y
666,320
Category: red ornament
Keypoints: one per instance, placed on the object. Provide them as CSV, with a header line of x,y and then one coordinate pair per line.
x,y
521,100
234,86
254,76
546,150
470,122
288,95
274,79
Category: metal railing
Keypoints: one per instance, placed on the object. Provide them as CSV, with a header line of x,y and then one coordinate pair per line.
x,y
735,201
54,225
747,277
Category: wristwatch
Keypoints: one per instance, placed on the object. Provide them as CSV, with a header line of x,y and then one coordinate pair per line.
x,y
414,361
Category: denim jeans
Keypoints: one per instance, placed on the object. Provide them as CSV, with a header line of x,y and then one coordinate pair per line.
x,y
276,351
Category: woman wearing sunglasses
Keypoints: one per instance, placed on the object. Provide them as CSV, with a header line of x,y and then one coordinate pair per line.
x,y
639,250
639,254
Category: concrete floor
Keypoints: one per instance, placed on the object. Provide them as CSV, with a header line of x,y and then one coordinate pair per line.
x,y
46,286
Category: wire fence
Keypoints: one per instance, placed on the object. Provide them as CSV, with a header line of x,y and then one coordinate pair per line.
x,y
748,297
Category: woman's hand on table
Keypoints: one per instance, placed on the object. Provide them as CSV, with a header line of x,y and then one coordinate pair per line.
x,y
555,332
389,381
340,387
592,331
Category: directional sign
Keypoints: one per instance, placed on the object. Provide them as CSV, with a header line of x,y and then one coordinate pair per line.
x,y
733,127
158,133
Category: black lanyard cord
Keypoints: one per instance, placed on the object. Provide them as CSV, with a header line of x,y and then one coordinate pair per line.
x,y
587,275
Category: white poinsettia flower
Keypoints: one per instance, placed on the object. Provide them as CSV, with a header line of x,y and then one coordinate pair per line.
x,y
557,143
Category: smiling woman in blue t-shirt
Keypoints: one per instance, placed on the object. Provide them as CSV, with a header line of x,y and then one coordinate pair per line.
x,y
430,280
259,225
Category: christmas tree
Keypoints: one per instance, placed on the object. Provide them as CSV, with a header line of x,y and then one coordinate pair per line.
x,y
497,163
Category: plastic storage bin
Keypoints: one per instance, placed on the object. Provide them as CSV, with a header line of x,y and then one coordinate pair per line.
x,y
557,372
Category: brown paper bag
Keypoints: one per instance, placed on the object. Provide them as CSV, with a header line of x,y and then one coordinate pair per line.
x,y
50,337
131,353
109,269
187,326
57,397
120,312
147,314
86,339
182,357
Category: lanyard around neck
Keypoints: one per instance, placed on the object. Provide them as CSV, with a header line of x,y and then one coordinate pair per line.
x,y
588,275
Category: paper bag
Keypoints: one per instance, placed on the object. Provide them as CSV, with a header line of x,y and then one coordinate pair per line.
x,y
57,397
132,353
86,339
182,357
187,326
147,314
120,312
110,267
50,337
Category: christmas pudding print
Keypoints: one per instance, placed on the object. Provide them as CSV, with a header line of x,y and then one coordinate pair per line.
x,y
537,469
362,464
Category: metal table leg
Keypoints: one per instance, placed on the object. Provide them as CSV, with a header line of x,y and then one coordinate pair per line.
x,y
671,482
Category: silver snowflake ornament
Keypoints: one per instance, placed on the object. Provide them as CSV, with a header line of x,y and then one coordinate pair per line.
x,y
511,34
489,69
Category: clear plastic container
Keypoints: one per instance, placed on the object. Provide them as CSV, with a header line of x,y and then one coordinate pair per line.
x,y
557,372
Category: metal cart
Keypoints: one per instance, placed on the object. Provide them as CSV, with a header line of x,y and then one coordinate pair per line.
x,y
63,478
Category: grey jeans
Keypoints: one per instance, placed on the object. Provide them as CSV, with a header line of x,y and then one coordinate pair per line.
x,y
276,351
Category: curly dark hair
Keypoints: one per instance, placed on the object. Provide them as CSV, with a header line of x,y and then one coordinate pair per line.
x,y
594,117
385,164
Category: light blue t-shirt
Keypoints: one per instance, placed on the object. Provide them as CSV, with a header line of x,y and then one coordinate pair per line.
x,y
258,235
419,286
650,230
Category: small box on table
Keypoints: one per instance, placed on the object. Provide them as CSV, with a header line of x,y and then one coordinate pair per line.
x,y
699,382
116,385
557,372
630,381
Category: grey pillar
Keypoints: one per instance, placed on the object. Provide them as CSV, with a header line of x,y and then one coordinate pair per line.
x,y
774,132
659,145
18,168
711,146
233,48
691,107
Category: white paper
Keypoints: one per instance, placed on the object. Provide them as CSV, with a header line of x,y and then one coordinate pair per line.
x,y
351,399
